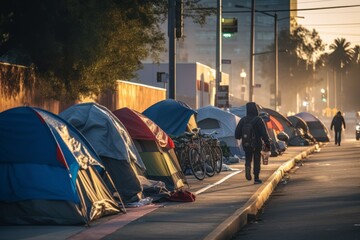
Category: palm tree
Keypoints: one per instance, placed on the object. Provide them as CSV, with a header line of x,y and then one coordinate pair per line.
x,y
341,56
340,59
356,54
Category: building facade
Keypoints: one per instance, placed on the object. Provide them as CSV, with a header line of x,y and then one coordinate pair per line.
x,y
199,44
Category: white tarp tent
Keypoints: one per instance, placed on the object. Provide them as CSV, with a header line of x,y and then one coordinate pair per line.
x,y
212,118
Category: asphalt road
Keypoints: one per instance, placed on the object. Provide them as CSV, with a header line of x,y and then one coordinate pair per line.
x,y
319,199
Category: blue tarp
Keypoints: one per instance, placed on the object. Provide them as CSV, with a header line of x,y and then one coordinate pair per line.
x,y
170,115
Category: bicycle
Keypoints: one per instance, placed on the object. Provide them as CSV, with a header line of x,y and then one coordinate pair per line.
x,y
206,152
216,151
187,150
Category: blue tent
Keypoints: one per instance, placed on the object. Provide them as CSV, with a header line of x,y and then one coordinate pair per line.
x,y
48,171
171,116
239,111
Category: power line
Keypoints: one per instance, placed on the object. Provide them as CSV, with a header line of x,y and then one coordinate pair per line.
x,y
298,9
332,24
311,1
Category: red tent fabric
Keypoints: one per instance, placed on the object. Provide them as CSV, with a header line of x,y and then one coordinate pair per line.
x,y
275,124
141,127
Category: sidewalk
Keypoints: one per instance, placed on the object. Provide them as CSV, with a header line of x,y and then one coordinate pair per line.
x,y
222,206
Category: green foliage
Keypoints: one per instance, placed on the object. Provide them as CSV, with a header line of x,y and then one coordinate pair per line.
x,y
80,48
297,52
341,56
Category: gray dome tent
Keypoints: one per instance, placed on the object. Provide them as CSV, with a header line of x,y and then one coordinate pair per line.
x,y
113,144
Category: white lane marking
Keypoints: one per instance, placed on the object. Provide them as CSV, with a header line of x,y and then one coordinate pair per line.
x,y
218,182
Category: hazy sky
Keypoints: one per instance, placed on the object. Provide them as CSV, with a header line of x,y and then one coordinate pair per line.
x,y
332,23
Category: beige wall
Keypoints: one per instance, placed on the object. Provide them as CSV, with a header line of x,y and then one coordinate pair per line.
x,y
134,96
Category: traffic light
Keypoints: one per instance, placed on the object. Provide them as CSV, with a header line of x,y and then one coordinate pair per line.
x,y
229,26
179,18
323,95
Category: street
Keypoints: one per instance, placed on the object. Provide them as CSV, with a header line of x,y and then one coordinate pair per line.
x,y
318,199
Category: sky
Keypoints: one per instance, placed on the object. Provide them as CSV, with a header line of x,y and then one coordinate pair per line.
x,y
332,23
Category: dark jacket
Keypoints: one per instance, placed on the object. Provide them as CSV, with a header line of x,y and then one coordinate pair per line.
x,y
261,133
337,122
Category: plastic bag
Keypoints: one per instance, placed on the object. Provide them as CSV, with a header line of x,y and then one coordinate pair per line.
x,y
265,155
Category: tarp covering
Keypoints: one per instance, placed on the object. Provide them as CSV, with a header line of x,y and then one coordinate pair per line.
x,y
170,115
103,130
113,144
44,163
211,119
316,127
141,127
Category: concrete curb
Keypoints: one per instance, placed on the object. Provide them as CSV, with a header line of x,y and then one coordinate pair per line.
x,y
228,228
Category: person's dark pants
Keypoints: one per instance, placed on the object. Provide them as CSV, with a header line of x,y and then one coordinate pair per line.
x,y
256,156
337,137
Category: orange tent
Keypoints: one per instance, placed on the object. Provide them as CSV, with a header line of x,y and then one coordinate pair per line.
x,y
274,124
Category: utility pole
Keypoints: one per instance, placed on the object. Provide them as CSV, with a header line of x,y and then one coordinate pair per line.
x,y
252,44
172,49
276,62
218,48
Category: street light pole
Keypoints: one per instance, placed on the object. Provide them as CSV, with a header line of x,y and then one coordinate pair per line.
x,y
252,44
218,49
172,50
252,53
276,62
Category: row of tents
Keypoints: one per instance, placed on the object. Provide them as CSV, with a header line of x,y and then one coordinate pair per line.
x,y
82,164
88,162
175,117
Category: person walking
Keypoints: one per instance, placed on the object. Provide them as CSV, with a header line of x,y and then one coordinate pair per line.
x,y
260,137
337,123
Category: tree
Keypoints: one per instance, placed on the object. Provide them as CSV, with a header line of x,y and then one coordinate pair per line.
x,y
80,48
297,54
308,44
356,55
352,83
340,60
341,56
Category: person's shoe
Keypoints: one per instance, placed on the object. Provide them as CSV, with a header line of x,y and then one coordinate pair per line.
x,y
257,181
248,173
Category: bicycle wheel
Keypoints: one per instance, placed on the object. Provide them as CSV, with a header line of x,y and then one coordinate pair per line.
x,y
208,160
184,160
196,164
218,155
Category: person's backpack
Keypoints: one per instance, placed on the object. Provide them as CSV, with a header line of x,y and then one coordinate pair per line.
x,y
248,136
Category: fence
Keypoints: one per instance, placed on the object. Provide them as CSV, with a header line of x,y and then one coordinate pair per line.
x,y
132,95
